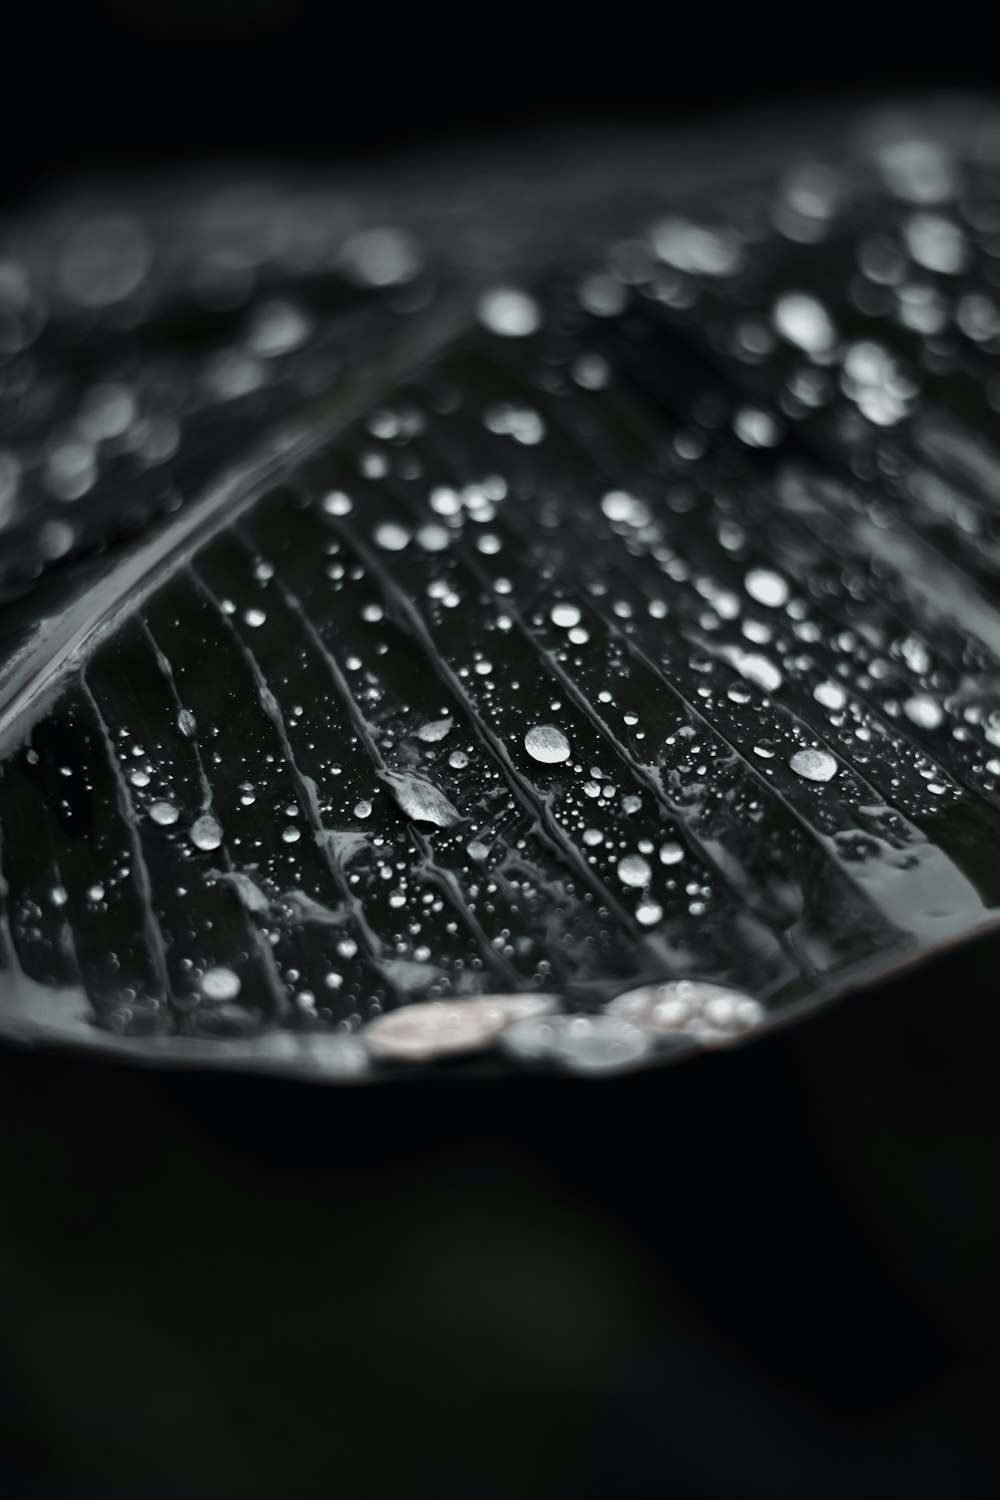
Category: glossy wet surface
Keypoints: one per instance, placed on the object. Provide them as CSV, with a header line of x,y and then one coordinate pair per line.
x,y
511,606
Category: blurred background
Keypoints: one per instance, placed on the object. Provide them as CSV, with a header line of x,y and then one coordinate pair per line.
x,y
143,82
763,1275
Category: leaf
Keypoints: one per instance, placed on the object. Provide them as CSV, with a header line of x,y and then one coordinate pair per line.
x,y
599,606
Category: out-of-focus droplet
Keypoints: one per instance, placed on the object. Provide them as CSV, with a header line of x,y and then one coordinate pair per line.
x,y
710,1014
509,312
220,983
437,1028
584,1044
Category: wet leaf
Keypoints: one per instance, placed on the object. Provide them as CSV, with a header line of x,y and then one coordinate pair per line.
x,y
432,593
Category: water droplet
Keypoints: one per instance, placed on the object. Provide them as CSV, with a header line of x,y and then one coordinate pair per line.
x,y
546,743
634,870
688,247
813,765
519,422
756,428
830,694
421,800
509,312
804,322
767,588
277,327
756,669
392,537
220,984
923,712
618,505
588,1044
206,832
381,257
591,372
565,616
163,813
434,731
709,1013
936,243
918,171
336,503
437,1028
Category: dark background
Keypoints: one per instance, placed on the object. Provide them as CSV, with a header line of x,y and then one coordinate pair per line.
x,y
763,1275
139,82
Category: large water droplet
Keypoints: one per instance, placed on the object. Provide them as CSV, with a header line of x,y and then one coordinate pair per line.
x,y
163,813
436,1028
206,832
634,870
814,765
546,743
